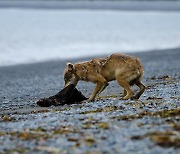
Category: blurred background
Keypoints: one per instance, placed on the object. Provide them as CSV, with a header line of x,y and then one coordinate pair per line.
x,y
42,30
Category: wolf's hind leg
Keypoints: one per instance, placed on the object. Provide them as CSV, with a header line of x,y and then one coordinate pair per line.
x,y
123,83
103,88
124,93
142,89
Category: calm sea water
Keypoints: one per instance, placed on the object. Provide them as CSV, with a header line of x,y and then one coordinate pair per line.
x,y
28,35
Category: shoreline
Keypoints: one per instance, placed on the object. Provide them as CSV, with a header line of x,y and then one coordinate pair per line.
x,y
89,57
94,5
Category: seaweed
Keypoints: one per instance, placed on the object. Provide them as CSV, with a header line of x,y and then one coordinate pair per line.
x,y
105,109
161,114
163,139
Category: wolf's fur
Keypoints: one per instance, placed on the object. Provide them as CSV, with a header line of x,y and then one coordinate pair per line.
x,y
127,70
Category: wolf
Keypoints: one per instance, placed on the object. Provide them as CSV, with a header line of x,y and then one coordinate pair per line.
x,y
125,69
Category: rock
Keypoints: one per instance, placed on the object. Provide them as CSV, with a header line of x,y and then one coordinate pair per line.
x,y
68,95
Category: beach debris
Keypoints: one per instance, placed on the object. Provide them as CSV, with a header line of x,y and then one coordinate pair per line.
x,y
6,118
162,114
103,125
68,95
89,140
163,139
164,77
104,109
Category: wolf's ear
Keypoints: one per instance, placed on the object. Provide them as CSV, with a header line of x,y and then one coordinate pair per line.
x,y
70,66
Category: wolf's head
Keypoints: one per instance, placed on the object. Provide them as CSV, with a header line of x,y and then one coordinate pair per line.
x,y
70,76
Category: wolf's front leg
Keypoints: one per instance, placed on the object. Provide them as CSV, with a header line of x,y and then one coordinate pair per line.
x,y
99,87
103,87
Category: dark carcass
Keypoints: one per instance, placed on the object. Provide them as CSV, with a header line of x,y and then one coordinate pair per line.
x,y
68,95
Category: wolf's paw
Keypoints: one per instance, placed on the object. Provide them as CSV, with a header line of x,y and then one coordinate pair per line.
x,y
124,98
88,100
127,97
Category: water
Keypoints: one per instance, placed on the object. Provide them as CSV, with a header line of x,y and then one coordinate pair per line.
x,y
28,35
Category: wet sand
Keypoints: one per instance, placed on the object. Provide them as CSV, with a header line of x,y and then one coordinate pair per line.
x,y
149,125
